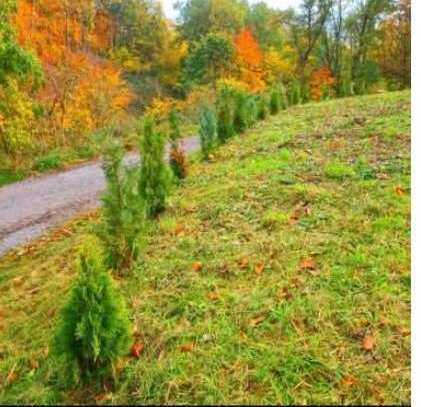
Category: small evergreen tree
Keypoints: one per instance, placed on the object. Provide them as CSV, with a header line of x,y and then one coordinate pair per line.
x,y
240,119
94,329
262,108
154,178
225,129
275,102
294,94
207,131
122,211
251,107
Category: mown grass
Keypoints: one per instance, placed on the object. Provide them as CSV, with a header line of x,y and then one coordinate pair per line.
x,y
323,184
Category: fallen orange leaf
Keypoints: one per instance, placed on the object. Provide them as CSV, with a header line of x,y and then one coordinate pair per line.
x,y
197,266
399,190
368,343
259,267
349,381
257,321
187,347
213,296
137,349
243,263
308,264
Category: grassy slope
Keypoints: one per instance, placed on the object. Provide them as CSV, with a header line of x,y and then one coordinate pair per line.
x,y
327,181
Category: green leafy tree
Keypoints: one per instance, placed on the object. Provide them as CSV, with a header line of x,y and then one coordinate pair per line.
x,y
154,177
94,328
207,131
199,18
122,211
209,60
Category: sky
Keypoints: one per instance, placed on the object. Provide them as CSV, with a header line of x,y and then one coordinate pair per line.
x,y
282,4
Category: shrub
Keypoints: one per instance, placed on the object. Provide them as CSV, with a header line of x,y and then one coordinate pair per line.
x,y
275,102
207,131
154,178
122,211
225,128
262,108
251,107
240,119
50,161
178,161
94,329
294,94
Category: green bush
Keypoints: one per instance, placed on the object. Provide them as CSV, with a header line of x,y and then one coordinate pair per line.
x,y
240,120
225,127
50,161
262,111
94,329
122,211
207,131
154,178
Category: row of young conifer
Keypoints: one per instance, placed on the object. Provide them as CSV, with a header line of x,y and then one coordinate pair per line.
x,y
95,328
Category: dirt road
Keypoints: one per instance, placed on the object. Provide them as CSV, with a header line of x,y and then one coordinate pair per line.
x,y
31,207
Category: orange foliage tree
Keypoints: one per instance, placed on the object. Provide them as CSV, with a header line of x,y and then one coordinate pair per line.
x,y
249,60
321,82
83,91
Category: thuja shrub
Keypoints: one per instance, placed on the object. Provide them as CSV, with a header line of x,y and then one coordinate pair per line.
x,y
262,111
294,93
94,328
207,131
154,176
275,101
251,105
122,211
240,119
225,127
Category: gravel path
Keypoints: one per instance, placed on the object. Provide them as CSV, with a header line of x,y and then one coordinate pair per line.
x,y
31,207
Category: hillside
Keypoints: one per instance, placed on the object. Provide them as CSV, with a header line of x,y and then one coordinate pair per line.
x,y
279,274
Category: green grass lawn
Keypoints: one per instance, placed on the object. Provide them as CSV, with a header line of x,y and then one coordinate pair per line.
x,y
279,274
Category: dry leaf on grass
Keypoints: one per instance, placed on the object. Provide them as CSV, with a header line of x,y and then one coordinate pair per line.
x,y
137,349
368,343
197,266
257,321
213,296
349,381
259,267
308,264
243,263
399,190
187,347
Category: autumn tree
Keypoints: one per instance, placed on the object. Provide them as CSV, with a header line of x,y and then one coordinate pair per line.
x,y
249,60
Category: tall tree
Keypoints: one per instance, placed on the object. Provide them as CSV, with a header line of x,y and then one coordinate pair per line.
x,y
306,26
